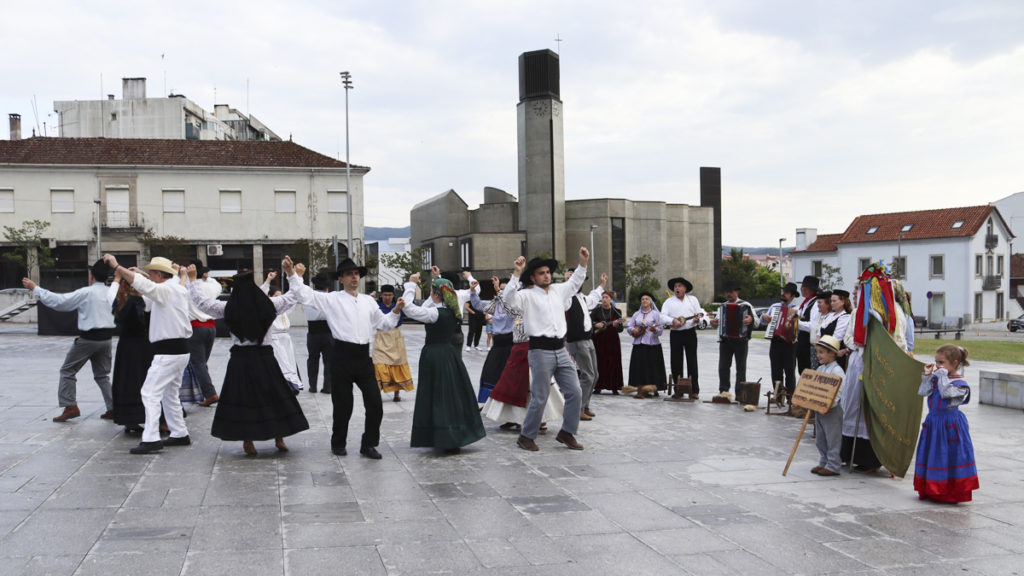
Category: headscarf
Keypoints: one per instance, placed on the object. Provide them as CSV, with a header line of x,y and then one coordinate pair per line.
x,y
124,292
249,312
900,294
446,291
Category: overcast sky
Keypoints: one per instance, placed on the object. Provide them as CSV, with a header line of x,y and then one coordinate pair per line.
x,y
815,111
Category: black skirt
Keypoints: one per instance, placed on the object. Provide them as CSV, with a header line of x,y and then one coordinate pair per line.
x,y
647,366
256,402
130,367
494,365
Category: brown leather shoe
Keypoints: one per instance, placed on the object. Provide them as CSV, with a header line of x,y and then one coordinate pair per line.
x,y
568,439
68,413
827,472
589,412
108,415
527,444
210,401
585,417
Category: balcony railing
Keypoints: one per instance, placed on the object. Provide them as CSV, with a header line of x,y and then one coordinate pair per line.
x,y
118,221
991,241
991,282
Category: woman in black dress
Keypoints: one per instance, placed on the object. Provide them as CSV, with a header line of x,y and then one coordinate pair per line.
x,y
133,357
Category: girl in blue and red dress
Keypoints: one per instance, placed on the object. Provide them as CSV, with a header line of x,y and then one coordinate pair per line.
x,y
945,469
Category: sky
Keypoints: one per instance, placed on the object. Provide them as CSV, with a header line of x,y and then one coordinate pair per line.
x,y
815,111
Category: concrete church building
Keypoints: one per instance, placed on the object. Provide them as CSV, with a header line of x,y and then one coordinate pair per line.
x,y
684,239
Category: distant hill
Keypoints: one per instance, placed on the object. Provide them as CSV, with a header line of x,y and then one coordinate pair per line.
x,y
726,250
376,234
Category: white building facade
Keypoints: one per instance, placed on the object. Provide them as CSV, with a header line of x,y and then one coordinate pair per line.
x,y
954,262
231,204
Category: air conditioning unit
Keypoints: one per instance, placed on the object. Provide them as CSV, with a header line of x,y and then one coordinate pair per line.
x,y
214,250
51,243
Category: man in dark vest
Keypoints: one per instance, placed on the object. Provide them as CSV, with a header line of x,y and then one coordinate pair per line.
x,y
579,329
781,351
808,311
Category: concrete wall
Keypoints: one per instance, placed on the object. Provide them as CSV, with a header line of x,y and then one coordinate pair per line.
x,y
135,118
541,176
497,218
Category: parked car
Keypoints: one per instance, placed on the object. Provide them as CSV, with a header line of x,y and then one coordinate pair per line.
x,y
703,321
759,312
1016,323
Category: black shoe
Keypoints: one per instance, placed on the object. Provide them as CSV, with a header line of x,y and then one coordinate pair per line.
x,y
339,451
148,447
370,452
312,390
325,390
183,441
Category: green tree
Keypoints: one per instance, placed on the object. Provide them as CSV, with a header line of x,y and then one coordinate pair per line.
x,y
30,250
317,255
640,277
174,248
831,277
766,283
409,263
740,270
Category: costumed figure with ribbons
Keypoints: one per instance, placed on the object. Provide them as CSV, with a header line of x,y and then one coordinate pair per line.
x,y
390,361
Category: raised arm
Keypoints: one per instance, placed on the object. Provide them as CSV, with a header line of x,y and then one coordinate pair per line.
x,y
418,313
511,294
60,302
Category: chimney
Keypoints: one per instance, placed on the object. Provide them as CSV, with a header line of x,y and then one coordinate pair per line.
x,y
110,97
133,88
15,126
805,237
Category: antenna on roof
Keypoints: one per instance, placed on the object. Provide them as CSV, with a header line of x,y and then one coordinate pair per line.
x,y
558,43
164,65
35,112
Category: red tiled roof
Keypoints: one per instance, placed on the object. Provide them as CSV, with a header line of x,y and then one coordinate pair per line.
x,y
144,152
824,243
1017,266
923,224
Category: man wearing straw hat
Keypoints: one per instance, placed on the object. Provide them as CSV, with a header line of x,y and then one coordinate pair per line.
x,y
169,331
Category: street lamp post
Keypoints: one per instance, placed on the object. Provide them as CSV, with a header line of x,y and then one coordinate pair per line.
x,y
99,234
592,267
346,81
782,277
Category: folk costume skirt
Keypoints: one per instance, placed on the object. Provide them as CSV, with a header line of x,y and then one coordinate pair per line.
x,y
256,401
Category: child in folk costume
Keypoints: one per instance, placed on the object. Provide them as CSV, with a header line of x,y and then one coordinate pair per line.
x,y
390,362
281,340
828,428
256,401
945,470
446,415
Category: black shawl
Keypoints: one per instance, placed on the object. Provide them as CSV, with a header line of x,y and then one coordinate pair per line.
x,y
249,312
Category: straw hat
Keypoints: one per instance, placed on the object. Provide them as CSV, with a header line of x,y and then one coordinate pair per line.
x,y
160,264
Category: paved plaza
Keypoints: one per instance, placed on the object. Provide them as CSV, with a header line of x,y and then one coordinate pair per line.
x,y
662,488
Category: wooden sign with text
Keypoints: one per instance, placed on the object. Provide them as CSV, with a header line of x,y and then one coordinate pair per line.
x,y
816,391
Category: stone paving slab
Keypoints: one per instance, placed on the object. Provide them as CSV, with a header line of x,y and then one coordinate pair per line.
x,y
662,488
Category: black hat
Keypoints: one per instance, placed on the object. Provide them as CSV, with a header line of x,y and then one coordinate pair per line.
x,y
347,264
791,288
201,268
841,293
672,284
321,281
649,295
811,282
386,288
824,295
532,267
100,271
731,285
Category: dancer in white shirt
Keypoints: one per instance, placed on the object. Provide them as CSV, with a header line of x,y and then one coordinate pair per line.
x,y
281,340
169,330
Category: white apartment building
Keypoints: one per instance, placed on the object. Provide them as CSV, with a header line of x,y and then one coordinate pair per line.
x,y
953,261
232,204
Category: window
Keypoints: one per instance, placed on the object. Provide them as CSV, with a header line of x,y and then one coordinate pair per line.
x,y
899,267
428,256
816,268
999,306
174,200
118,206
337,201
978,300
999,265
906,227
231,201
618,228
958,224
466,253
873,229
863,263
936,267
62,201
977,265
6,200
284,200
988,265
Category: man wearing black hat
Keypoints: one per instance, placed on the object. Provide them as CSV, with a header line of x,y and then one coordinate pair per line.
x,y
95,325
809,313
782,351
681,312
354,319
204,334
319,342
544,305
734,321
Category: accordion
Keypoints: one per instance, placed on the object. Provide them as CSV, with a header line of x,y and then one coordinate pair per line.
x,y
781,325
733,320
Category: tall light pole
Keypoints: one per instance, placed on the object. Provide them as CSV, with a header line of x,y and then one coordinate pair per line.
x,y
592,267
782,277
346,81
99,235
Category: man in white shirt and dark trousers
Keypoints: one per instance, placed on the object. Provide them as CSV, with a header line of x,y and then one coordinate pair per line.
x,y
809,313
544,305
579,331
354,319
96,327
681,312
169,331
204,334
